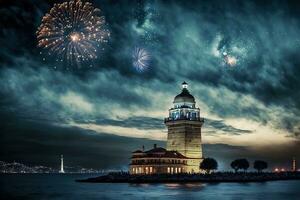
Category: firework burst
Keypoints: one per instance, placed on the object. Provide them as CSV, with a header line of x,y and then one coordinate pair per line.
x,y
73,31
229,60
141,59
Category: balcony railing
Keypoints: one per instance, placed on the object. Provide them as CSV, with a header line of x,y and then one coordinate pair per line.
x,y
200,119
159,162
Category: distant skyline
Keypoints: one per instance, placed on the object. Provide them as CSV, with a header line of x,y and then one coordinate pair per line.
x,y
17,167
240,59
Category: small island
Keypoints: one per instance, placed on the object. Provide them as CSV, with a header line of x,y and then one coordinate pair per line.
x,y
123,177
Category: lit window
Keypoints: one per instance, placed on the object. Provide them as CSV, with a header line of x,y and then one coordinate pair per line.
x,y
168,170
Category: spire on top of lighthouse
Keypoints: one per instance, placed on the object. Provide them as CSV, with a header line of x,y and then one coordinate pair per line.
x,y
184,85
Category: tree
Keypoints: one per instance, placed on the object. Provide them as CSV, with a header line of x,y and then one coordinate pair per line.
x,y
244,164
235,165
260,165
240,164
209,164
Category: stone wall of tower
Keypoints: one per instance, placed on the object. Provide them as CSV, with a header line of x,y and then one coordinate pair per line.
x,y
184,136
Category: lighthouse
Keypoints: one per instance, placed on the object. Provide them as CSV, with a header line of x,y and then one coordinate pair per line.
x,y
61,164
184,144
184,129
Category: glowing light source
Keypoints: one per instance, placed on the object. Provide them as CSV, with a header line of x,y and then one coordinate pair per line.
x,y
184,85
229,60
75,37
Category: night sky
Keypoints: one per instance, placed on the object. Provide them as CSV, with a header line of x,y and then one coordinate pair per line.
x,y
97,115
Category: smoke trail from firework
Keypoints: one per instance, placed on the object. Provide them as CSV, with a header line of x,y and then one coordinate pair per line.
x,y
141,59
73,31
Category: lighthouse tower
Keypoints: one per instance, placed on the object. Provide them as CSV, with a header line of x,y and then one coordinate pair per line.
x,y
184,129
61,164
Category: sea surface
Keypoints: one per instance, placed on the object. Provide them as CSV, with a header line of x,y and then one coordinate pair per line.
x,y
63,186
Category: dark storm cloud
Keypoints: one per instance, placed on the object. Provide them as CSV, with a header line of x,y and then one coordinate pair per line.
x,y
219,125
53,92
211,127
18,26
134,122
264,37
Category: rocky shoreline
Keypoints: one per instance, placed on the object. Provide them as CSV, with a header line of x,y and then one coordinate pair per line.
x,y
121,177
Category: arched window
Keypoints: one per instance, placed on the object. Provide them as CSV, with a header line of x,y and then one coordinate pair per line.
x,y
147,170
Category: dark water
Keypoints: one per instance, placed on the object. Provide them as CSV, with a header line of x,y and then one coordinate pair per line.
x,y
63,186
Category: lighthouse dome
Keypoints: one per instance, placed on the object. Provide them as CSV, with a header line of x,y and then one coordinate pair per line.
x,y
184,96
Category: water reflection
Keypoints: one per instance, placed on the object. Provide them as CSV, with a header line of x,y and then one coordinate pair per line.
x,y
141,185
186,186
172,186
37,186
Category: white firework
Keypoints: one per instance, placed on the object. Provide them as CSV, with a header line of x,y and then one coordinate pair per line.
x,y
141,59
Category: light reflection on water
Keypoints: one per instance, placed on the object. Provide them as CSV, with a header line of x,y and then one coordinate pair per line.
x,y
41,186
188,186
174,186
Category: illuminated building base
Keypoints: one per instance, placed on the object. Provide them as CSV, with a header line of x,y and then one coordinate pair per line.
x,y
157,161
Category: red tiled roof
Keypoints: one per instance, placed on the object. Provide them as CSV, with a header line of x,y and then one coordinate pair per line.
x,y
159,153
